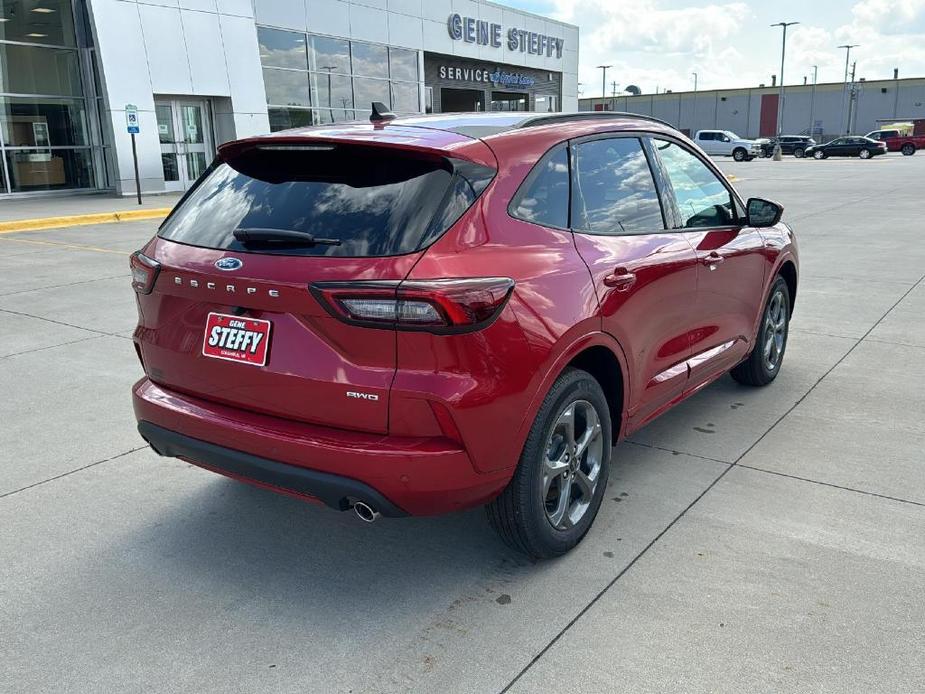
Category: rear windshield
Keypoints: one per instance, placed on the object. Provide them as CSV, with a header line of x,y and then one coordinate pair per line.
x,y
374,202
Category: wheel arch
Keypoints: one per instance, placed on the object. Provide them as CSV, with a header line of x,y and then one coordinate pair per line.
x,y
788,270
603,365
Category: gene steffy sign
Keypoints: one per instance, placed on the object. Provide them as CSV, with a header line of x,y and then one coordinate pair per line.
x,y
484,33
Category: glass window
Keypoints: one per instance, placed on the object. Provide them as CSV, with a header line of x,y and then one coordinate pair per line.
x,y
282,48
366,91
613,191
405,97
546,103
332,115
543,197
39,70
286,87
26,122
369,60
48,21
330,55
49,169
375,202
703,200
286,118
331,90
706,136
403,64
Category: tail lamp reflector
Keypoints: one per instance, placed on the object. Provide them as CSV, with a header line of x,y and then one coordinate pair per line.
x,y
441,305
144,272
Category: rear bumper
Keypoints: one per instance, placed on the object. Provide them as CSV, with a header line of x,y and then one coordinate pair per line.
x,y
397,475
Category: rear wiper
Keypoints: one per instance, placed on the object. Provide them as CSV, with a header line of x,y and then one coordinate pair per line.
x,y
286,236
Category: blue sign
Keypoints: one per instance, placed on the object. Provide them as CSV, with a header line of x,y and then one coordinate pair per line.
x,y
511,79
131,119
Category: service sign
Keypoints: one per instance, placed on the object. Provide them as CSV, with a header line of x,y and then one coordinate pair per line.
x,y
236,338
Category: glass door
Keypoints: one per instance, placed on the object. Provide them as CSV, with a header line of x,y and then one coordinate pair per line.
x,y
186,141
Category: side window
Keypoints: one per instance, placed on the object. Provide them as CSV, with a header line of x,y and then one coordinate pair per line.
x,y
706,136
613,190
703,200
543,196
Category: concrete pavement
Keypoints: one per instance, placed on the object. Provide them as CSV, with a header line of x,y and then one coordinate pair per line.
x,y
752,540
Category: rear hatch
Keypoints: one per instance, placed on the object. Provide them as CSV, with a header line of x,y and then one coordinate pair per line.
x,y
231,318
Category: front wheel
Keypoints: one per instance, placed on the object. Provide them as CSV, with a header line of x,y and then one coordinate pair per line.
x,y
798,152
819,154
908,149
864,154
763,364
557,488
739,154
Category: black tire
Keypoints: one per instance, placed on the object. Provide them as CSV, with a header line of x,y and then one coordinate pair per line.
x,y
908,149
756,370
520,514
864,153
798,152
739,154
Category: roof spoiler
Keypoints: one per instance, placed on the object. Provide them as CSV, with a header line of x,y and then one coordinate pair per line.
x,y
380,113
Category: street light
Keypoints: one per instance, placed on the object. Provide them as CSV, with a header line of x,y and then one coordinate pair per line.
x,y
780,97
695,81
328,68
843,125
812,102
603,84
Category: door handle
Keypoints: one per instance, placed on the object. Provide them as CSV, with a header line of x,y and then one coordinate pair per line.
x,y
712,260
620,279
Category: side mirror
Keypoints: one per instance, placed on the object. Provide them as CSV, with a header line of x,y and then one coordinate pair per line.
x,y
763,213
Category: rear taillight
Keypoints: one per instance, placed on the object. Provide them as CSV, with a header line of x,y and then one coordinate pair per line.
x,y
144,272
439,306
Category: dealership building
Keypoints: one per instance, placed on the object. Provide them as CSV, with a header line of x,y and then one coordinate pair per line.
x,y
195,73
827,110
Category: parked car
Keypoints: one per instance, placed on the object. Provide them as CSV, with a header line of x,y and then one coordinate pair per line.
x,y
420,315
789,144
848,146
897,142
725,143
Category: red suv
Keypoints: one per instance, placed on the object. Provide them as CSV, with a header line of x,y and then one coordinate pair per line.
x,y
417,315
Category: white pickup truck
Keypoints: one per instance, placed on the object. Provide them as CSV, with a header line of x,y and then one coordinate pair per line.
x,y
725,143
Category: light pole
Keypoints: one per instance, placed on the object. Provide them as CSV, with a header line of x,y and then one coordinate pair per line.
x,y
695,81
328,68
603,84
812,102
844,95
780,97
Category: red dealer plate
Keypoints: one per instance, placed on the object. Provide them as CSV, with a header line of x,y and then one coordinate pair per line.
x,y
234,338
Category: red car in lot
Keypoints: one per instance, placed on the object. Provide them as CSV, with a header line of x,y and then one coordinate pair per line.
x,y
417,315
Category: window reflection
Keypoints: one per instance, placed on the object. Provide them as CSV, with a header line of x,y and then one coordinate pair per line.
x,y
544,198
53,25
282,48
34,122
703,200
39,70
614,190
286,87
330,55
369,60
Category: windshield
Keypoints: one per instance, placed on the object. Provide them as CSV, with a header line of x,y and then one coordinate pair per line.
x,y
374,202
731,135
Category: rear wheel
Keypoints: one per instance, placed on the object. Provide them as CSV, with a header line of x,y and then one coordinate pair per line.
x,y
739,154
556,491
864,154
798,152
818,154
908,149
763,364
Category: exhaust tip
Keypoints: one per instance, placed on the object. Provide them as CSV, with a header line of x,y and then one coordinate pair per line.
x,y
365,512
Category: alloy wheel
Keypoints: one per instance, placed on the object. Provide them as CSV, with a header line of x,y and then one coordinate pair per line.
x,y
572,464
775,331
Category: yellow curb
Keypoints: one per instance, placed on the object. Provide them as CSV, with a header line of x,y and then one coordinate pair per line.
x,y
74,220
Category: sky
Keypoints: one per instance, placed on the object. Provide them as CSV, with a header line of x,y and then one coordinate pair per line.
x,y
660,43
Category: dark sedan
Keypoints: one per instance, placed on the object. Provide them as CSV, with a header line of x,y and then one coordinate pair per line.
x,y
850,146
789,144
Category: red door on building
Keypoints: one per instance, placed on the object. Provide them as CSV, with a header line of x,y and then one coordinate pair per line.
x,y
768,125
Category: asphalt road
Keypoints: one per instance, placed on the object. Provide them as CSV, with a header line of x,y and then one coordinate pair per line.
x,y
751,540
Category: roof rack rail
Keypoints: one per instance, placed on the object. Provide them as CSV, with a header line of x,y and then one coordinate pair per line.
x,y
586,115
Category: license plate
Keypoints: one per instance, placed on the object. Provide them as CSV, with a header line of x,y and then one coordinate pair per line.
x,y
234,338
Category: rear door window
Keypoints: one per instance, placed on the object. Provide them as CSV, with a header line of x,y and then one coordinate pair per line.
x,y
373,201
544,196
613,191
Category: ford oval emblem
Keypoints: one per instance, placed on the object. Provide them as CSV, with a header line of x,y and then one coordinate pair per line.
x,y
229,264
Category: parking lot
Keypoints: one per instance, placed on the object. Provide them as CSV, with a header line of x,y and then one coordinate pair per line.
x,y
751,540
